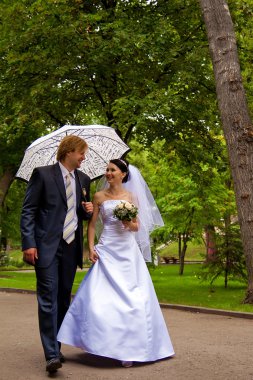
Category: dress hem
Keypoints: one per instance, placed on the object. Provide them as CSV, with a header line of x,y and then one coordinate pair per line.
x,y
159,357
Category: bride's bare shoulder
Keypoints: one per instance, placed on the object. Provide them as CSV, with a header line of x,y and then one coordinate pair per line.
x,y
99,197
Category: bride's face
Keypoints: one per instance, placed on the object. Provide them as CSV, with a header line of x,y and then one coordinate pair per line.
x,y
113,174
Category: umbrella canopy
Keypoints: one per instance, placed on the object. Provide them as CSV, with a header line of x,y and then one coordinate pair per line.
x,y
103,142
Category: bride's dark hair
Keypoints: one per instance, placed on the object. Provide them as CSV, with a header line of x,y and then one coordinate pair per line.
x,y
123,166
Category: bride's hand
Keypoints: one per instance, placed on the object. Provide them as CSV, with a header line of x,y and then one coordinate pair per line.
x,y
93,256
131,225
127,224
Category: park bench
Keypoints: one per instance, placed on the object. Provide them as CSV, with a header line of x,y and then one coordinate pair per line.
x,y
170,259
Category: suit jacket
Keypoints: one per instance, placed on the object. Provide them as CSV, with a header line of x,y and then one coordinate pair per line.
x,y
44,211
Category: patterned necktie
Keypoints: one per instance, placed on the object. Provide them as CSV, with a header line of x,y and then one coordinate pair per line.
x,y
69,224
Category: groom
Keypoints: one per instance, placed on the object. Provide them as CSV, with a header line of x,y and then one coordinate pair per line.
x,y
52,237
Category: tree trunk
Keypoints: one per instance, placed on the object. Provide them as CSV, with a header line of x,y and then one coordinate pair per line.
x,y
227,223
235,118
179,245
210,242
182,253
5,182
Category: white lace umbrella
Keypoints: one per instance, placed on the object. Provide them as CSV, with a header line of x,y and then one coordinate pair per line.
x,y
103,142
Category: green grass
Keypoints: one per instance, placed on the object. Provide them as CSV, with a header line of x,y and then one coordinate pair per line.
x,y
189,290
18,280
195,251
15,254
170,287
14,260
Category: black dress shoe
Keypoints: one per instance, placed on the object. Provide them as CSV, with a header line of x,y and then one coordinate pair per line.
x,y
62,357
53,364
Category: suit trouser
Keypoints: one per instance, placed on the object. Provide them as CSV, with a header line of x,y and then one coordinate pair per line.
x,y
54,285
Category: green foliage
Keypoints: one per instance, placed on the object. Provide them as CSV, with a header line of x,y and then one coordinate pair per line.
x,y
188,199
242,15
127,64
10,212
10,262
228,261
4,259
141,67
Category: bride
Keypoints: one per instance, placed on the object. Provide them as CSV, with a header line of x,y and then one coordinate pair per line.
x,y
115,312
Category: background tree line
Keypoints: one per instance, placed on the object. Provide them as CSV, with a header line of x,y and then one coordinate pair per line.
x,y
141,67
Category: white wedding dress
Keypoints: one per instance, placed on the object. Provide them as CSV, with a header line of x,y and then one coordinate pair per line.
x,y
115,312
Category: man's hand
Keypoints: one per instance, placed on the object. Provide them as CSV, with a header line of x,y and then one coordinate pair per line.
x,y
30,255
88,207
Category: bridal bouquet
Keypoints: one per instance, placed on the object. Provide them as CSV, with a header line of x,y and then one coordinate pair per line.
x,y
125,211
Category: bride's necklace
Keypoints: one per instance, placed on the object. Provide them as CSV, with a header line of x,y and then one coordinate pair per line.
x,y
116,194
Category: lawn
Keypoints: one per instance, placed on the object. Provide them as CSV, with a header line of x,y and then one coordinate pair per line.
x,y
189,290
170,287
195,251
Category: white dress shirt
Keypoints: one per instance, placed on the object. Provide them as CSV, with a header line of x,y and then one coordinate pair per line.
x,y
73,185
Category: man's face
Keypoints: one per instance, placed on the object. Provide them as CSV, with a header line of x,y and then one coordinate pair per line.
x,y
76,158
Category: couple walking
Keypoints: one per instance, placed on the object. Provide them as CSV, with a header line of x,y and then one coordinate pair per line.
x,y
115,312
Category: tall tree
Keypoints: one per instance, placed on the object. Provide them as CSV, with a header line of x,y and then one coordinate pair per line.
x,y
236,121
189,196
141,67
112,62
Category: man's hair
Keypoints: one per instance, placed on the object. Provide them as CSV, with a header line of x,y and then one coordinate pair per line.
x,y
70,143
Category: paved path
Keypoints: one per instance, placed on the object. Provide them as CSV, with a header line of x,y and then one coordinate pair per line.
x,y
208,347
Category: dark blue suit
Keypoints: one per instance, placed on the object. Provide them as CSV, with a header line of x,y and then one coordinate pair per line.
x,y
42,219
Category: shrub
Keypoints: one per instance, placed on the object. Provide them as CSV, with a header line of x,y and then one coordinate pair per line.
x,y
228,260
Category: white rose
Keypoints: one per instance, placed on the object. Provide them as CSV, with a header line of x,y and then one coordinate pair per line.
x,y
120,205
128,206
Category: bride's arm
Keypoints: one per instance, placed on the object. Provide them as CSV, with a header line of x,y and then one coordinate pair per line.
x,y
93,256
132,225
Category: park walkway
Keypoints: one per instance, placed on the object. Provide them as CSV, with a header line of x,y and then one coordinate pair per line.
x,y
208,347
